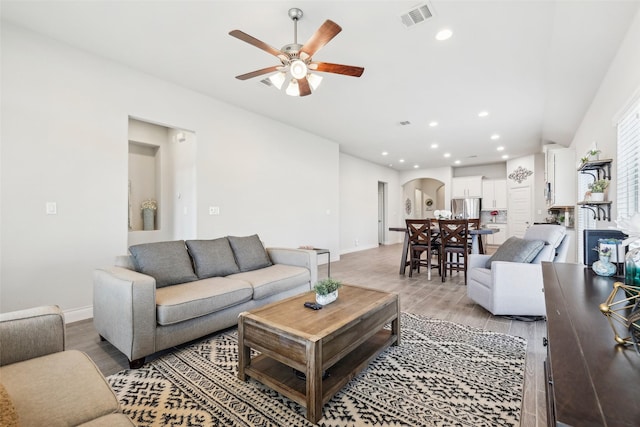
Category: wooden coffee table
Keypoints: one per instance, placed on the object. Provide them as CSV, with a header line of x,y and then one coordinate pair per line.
x,y
341,339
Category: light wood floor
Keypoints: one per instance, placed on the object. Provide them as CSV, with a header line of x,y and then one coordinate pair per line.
x,y
378,268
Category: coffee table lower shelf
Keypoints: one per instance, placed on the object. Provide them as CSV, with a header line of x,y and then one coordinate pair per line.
x,y
282,378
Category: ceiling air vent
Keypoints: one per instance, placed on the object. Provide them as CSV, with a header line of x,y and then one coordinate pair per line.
x,y
416,15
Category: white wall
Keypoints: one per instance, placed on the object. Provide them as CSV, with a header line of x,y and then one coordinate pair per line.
x,y
64,139
619,85
359,204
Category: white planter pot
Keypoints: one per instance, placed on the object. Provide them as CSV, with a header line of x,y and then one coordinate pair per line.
x,y
597,197
327,299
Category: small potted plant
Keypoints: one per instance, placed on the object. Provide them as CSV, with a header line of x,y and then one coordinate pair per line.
x,y
594,154
597,190
327,291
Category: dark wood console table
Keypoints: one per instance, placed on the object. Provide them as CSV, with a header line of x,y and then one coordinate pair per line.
x,y
591,380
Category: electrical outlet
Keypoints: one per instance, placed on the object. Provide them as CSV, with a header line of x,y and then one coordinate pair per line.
x,y
51,208
214,210
356,242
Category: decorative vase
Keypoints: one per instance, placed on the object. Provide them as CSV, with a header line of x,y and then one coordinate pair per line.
x,y
597,197
148,219
632,267
327,299
604,267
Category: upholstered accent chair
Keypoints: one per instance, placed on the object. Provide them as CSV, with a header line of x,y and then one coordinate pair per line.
x,y
509,282
45,385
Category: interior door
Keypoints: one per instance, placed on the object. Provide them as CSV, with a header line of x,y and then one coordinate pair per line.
x,y
520,213
381,218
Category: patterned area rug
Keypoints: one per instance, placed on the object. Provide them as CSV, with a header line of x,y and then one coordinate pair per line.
x,y
442,374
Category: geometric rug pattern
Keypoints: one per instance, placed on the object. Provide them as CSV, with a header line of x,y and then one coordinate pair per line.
x,y
442,374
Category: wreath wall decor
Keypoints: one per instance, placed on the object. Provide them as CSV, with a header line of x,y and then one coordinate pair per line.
x,y
520,174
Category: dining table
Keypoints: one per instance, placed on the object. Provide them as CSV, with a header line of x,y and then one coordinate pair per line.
x,y
475,242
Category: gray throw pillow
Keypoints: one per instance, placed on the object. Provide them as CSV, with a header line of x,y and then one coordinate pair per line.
x,y
515,249
168,262
212,258
249,252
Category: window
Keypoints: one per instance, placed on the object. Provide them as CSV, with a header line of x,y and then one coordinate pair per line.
x,y
628,191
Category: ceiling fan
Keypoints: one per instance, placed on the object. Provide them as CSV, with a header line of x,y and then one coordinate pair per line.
x,y
296,60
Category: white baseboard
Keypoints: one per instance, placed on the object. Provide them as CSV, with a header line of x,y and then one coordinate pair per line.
x,y
357,249
77,314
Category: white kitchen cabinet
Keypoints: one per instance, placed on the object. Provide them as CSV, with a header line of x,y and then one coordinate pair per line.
x,y
494,194
497,238
561,177
466,186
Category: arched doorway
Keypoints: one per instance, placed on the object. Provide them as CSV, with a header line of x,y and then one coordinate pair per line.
x,y
422,196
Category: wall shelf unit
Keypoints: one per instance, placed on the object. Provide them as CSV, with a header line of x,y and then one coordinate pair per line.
x,y
596,168
601,210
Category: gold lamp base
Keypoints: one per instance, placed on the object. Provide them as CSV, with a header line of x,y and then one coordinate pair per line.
x,y
616,312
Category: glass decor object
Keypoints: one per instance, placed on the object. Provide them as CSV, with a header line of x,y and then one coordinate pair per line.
x,y
604,267
632,268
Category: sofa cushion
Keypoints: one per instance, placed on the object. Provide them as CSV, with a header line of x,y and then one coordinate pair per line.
x,y
186,301
515,249
550,234
60,389
273,279
212,258
168,262
249,252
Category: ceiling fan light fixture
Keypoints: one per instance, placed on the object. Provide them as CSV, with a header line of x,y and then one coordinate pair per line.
x,y
298,69
293,89
314,80
277,79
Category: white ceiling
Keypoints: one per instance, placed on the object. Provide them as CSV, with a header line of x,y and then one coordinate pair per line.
x,y
534,65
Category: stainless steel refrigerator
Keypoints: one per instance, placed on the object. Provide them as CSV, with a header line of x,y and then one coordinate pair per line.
x,y
465,208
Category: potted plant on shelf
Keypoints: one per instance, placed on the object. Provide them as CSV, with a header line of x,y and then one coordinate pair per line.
x,y
327,291
597,190
594,154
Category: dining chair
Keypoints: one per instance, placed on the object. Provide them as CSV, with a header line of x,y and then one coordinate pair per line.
x,y
454,246
421,240
474,224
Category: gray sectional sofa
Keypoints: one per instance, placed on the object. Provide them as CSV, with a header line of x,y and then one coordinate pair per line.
x,y
168,293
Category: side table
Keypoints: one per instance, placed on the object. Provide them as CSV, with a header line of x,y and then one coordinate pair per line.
x,y
320,251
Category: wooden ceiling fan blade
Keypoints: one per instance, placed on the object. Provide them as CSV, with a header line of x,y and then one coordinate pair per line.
x,y
258,72
258,43
321,37
347,70
303,87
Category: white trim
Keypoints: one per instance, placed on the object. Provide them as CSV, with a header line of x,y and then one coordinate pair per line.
x,y
77,314
622,112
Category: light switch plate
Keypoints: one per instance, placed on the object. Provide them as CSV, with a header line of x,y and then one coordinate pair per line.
x,y
51,208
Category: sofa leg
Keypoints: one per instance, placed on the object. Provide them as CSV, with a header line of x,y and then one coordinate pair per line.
x,y
137,363
102,338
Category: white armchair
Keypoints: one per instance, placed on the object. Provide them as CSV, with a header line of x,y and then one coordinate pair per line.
x,y
516,288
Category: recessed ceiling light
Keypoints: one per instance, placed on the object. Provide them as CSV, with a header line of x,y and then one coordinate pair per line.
x,y
447,154
495,136
505,156
384,153
433,124
501,148
401,160
457,162
483,114
444,34
416,166
434,145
